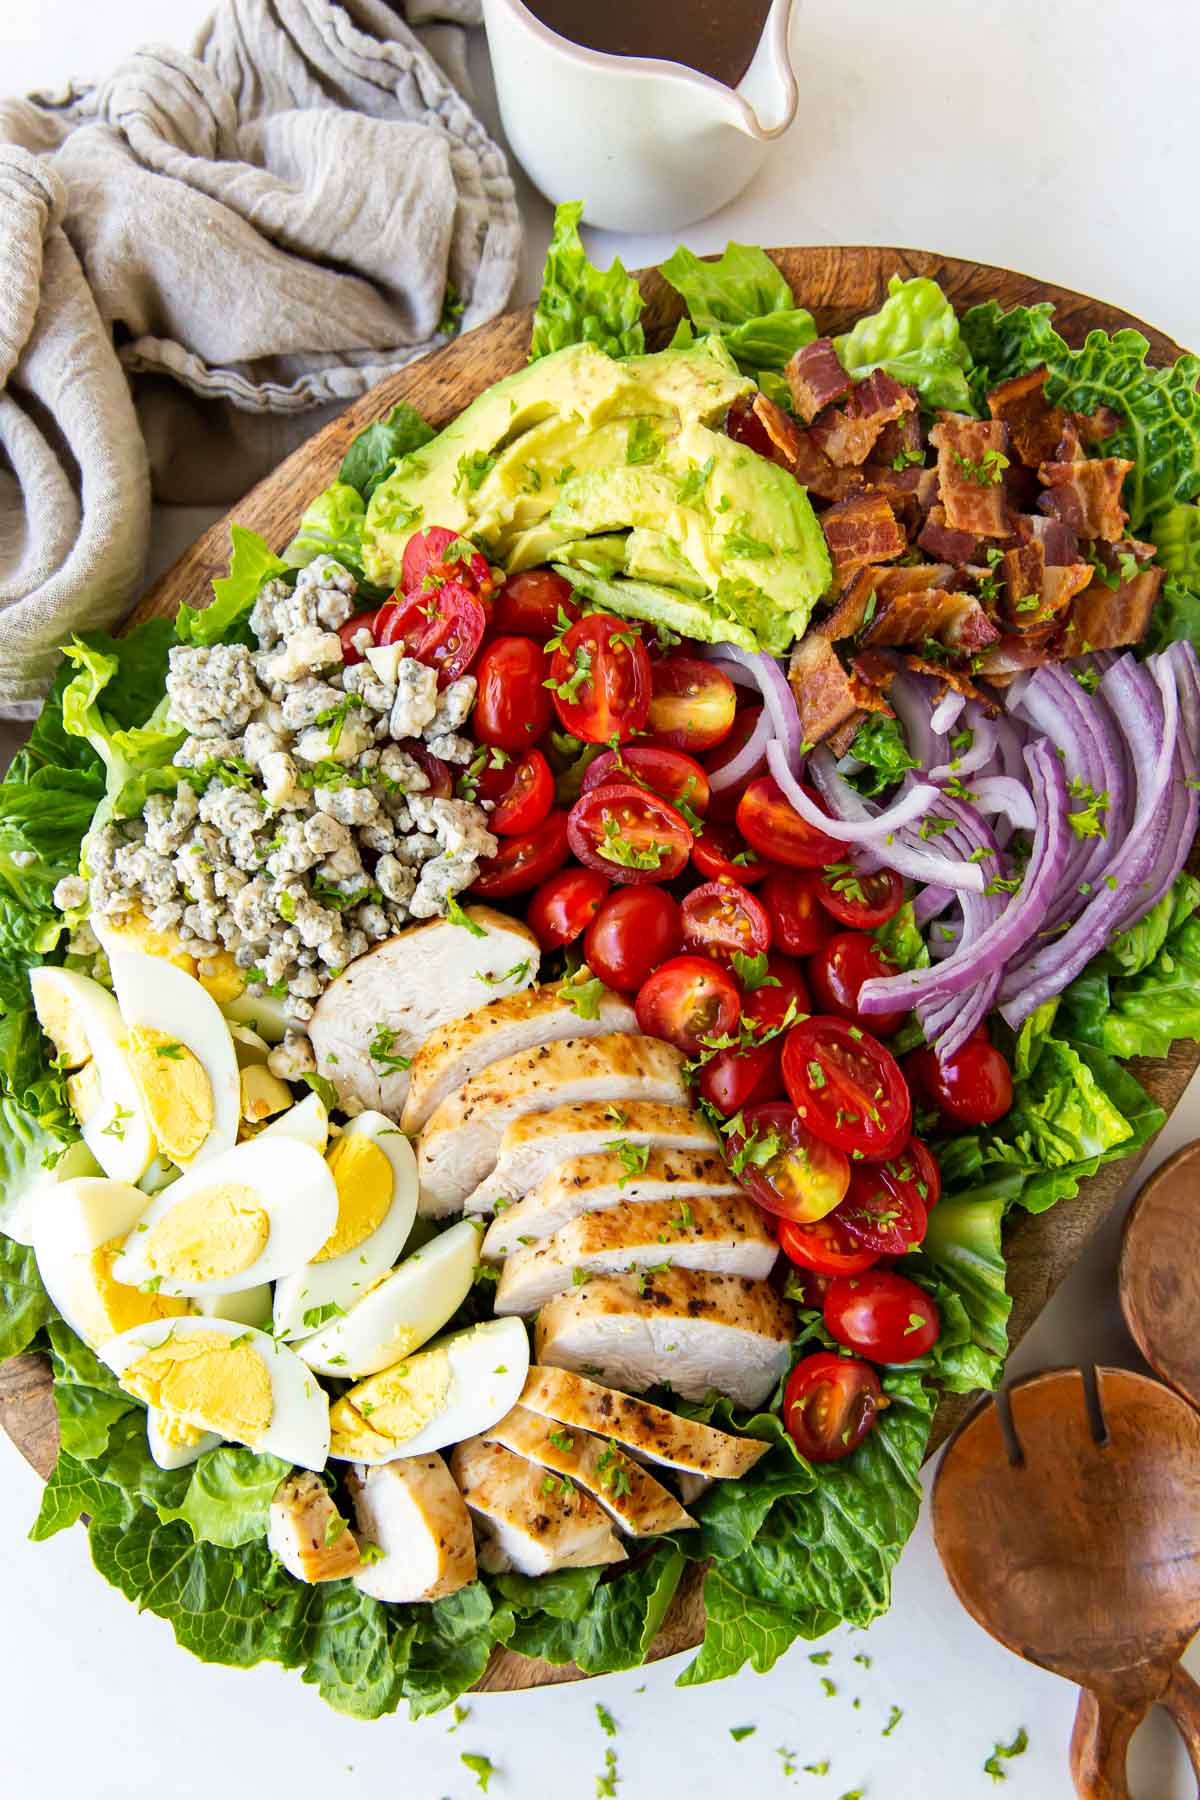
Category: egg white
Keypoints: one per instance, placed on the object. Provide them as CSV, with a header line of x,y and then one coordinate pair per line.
x,y
70,1220
489,1364
19,1199
155,995
168,1454
118,1131
402,1313
307,1122
345,1279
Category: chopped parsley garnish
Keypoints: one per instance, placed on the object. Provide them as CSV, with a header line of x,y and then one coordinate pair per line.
x,y
568,688
382,1053
562,1440
473,470
820,1657
457,916
685,1219
753,971
740,1732
518,972
334,1527
694,481
816,1075
316,1316
755,1150
582,996
618,849
116,1125
894,1718
644,442
828,1688
1003,1752
987,472
481,1767
607,1722
174,1051
321,1084
606,1784
633,1158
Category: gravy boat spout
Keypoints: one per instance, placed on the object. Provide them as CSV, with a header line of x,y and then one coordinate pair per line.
x,y
766,98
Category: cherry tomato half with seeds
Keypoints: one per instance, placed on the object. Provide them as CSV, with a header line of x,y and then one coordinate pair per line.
x,y
686,1000
527,798
882,1315
723,917
439,554
725,800
442,628
440,775
634,930
799,924
628,834
914,1170
787,1169
846,1087
830,1403
512,705
719,852
838,970
534,604
887,1218
600,679
825,1247
564,906
525,862
692,705
972,1087
783,995
776,830
863,901
361,621
670,774
733,1079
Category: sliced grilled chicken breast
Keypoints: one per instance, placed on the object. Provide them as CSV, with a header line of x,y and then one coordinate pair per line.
x,y
460,1144
529,1519
381,1010
684,1329
640,1505
727,1235
412,1511
533,1146
307,1533
646,1431
594,1183
461,1049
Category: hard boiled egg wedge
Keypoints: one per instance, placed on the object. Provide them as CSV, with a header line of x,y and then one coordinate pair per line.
x,y
19,1197
182,1056
172,1443
256,1213
307,1122
265,1014
79,1227
375,1173
221,1376
84,1023
401,1313
448,1392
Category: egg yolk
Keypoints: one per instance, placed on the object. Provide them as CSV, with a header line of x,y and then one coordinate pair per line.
x,y
83,1091
175,1090
220,975
216,1383
389,1408
61,1024
209,1235
101,1306
363,1177
177,1432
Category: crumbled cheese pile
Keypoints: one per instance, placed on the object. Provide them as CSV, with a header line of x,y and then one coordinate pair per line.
x,y
314,834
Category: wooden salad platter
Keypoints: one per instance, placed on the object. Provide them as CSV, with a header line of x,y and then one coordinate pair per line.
x,y
838,284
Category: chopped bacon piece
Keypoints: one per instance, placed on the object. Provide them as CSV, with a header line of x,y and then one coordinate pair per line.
x,y
1094,427
1000,662
816,378
913,612
839,741
957,679
780,429
1034,426
1035,595
901,441
1104,618
911,493
861,530
946,544
1086,495
1058,541
1060,585
824,693
853,609
875,669
848,434
971,465
814,471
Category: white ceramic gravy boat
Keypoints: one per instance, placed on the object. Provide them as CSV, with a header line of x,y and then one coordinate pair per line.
x,y
646,145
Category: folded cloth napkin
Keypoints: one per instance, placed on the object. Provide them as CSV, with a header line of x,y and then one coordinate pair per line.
x,y
206,256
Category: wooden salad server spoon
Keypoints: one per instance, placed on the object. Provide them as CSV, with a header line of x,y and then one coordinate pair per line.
x,y
1068,1521
1159,1277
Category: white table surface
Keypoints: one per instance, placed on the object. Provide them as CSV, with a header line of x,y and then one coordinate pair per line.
x,y
1057,139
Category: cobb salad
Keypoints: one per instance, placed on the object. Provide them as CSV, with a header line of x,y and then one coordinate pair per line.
x,y
523,1019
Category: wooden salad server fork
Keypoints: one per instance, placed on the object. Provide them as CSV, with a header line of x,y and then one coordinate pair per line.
x,y
1068,1521
1159,1277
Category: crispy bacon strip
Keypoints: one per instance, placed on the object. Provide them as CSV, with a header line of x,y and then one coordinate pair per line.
x,y
848,434
1034,595
1034,426
853,609
816,378
901,440
1086,495
780,429
913,612
971,462
1000,662
861,530
1058,541
954,678
824,693
813,469
944,543
1104,618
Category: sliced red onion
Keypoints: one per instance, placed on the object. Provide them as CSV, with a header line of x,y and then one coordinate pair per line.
x,y
778,698
930,903
980,752
739,767
946,713
912,698
1001,794
856,828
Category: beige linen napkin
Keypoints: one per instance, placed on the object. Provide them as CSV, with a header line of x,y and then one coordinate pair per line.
x,y
243,238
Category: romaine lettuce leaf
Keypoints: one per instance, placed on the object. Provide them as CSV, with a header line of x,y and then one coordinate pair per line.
x,y
1176,616
223,620
450,1644
229,1496
25,1306
618,1624
743,298
961,1262
376,451
580,304
915,338
87,1395
330,525
136,756
1143,992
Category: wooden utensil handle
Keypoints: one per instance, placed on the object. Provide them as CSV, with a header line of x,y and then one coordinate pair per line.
x,y
1182,1701
1100,1745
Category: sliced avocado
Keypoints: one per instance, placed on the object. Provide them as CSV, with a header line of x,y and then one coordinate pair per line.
x,y
659,605
653,556
604,555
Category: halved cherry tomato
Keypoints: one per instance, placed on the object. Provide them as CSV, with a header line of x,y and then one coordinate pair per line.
x,y
492,771
838,970
881,1315
725,800
677,778
628,834
777,831
798,923
719,851
361,621
525,862
634,930
723,916
528,604
782,996
527,798
564,907
830,1403
733,1079
693,704
881,1214
686,1000
972,1087
440,775
512,706
863,901
846,1086
442,628
439,554
600,679
914,1170
787,1169
825,1247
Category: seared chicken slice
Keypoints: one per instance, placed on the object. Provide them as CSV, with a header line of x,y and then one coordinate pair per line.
x,y
528,1518
689,1331
726,1236
460,1143
458,1051
533,1146
594,1183
640,1505
378,1014
411,1511
307,1533
647,1431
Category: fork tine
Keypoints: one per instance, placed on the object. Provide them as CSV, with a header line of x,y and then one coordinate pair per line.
x,y
1093,1400
1008,1428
